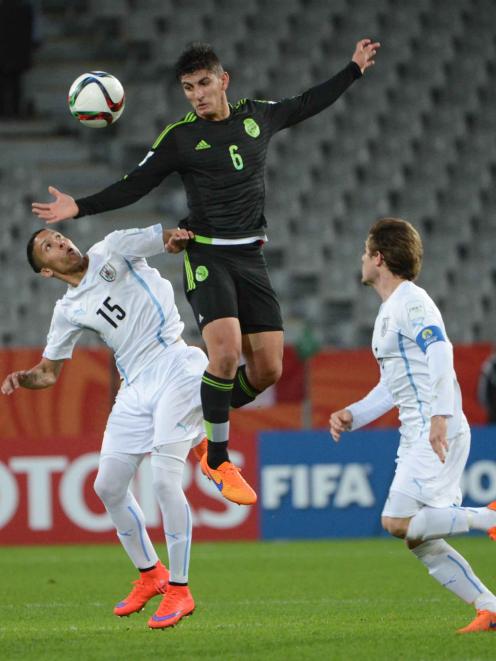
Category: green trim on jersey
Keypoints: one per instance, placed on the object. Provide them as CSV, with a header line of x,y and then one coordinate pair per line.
x,y
190,278
240,103
190,117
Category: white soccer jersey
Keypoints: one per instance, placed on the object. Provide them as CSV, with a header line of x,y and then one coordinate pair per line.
x,y
122,299
407,324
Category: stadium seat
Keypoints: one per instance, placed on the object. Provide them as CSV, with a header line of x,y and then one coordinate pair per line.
x,y
413,138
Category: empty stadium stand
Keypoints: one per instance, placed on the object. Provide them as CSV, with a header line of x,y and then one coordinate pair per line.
x,y
415,138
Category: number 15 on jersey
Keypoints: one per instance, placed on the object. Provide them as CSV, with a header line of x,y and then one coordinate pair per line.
x,y
116,313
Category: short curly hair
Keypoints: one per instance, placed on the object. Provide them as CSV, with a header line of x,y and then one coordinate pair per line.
x,y
197,55
30,251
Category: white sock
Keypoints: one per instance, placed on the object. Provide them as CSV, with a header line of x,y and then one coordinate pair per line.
x,y
112,487
451,569
167,469
481,518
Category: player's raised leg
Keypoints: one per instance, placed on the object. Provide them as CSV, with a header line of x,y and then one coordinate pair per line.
x,y
263,353
112,486
434,522
223,340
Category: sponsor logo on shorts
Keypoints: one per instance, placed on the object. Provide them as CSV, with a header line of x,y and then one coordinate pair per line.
x,y
251,127
201,273
108,272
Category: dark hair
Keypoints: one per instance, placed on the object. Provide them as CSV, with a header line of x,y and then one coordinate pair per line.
x,y
30,251
197,55
400,245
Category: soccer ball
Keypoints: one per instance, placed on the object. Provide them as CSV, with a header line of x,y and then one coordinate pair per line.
x,y
96,99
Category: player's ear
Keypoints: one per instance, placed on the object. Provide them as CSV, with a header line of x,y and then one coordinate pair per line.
x,y
46,272
225,80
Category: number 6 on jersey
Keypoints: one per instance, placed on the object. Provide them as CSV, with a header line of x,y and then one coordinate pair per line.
x,y
236,158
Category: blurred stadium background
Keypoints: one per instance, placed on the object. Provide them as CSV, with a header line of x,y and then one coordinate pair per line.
x,y
414,138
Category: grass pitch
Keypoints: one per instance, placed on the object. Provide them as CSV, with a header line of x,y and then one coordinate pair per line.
x,y
367,599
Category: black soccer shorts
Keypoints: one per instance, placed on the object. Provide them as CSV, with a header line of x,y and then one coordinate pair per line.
x,y
231,281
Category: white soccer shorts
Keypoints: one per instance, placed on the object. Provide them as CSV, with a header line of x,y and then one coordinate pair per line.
x,y
161,406
421,479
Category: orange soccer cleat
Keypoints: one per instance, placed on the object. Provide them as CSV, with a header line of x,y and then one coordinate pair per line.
x,y
484,621
176,604
492,531
149,584
229,481
200,449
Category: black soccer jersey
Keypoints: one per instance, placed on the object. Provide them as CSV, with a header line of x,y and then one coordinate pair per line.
x,y
221,163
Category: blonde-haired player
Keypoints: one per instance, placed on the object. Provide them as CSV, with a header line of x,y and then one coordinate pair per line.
x,y
415,359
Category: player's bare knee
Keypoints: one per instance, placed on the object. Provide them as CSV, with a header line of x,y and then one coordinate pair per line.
x,y
395,527
225,363
266,376
272,373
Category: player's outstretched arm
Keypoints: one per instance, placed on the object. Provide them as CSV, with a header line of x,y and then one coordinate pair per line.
x,y
339,422
364,54
290,111
177,239
43,375
63,208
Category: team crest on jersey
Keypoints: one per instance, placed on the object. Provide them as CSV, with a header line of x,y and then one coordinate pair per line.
x,y
251,127
201,273
384,326
108,272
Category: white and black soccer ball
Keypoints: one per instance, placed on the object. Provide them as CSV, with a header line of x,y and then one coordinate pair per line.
x,y
96,99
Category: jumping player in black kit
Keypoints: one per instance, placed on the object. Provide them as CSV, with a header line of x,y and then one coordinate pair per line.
x,y
219,151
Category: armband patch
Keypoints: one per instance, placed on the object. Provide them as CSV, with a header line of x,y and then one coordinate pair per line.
x,y
428,336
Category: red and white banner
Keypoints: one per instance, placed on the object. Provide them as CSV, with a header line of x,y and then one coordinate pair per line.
x,y
49,446
46,496
49,443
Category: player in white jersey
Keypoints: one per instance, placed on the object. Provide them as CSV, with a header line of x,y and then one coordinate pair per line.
x,y
114,292
417,376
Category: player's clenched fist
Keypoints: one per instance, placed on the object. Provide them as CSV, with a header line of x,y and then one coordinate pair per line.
x,y
11,382
177,240
339,422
